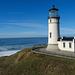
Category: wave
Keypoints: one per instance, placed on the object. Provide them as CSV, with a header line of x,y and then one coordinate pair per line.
x,y
17,47
4,48
7,53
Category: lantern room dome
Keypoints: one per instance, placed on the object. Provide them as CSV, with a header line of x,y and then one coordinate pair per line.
x,y
53,8
53,13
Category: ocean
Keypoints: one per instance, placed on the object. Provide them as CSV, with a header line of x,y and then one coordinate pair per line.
x,y
9,46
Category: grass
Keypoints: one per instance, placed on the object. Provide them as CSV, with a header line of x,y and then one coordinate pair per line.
x,y
26,62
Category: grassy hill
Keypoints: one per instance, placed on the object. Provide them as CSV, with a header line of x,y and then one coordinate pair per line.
x,y
26,62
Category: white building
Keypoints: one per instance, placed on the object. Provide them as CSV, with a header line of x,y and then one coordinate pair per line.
x,y
54,41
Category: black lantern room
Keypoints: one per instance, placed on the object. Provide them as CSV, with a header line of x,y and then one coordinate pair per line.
x,y
53,12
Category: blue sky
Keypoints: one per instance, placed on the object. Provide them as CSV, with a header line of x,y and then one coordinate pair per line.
x,y
28,18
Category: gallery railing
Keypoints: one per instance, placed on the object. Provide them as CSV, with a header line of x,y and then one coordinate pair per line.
x,y
57,16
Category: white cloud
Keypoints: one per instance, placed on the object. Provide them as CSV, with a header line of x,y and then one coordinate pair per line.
x,y
29,32
28,24
67,29
67,32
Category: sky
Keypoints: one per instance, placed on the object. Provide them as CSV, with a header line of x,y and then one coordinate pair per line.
x,y
29,18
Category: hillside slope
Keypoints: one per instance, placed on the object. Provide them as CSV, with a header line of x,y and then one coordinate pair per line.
x,y
26,62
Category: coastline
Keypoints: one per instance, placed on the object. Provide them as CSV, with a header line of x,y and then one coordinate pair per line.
x,y
27,62
11,52
12,45
8,53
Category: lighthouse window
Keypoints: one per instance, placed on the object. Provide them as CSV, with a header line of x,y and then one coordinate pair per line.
x,y
69,45
64,45
50,21
50,35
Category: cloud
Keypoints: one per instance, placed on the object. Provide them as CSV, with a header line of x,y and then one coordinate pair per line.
x,y
28,24
67,29
29,32
67,32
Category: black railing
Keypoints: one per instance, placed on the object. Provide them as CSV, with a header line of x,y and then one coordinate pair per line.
x,y
54,16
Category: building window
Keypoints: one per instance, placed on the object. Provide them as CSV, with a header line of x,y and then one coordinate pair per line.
x,y
50,21
70,45
64,44
50,35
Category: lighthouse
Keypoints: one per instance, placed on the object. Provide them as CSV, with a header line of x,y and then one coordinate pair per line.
x,y
53,29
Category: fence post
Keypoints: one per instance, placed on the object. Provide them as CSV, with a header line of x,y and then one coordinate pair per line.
x,y
71,55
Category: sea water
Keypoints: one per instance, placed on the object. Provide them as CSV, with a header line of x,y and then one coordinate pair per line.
x,y
9,46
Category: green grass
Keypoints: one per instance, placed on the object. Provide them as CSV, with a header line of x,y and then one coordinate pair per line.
x,y
26,62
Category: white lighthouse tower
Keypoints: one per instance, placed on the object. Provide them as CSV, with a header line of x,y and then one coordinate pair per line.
x,y
53,29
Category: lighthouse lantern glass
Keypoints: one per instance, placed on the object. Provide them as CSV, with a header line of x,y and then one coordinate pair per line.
x,y
53,13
